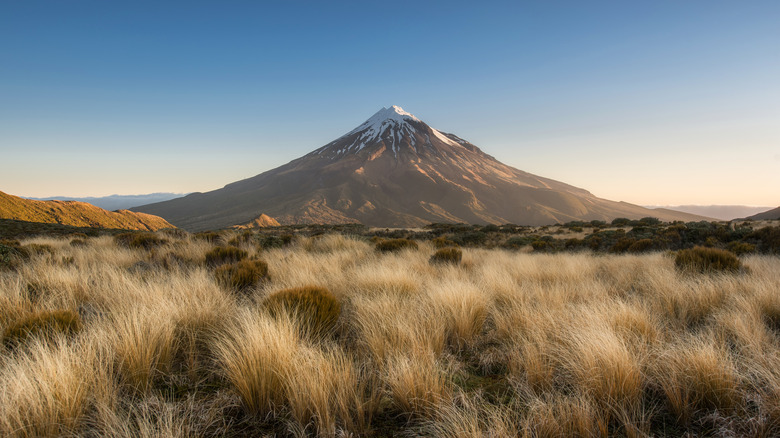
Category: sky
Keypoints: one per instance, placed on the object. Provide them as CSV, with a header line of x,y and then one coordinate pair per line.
x,y
653,103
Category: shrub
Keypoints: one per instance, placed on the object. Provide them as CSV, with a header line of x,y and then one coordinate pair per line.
x,y
620,222
224,254
315,307
46,323
78,243
741,248
447,255
622,245
541,245
641,245
701,259
394,245
517,242
442,242
241,275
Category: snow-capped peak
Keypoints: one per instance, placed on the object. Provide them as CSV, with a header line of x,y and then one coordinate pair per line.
x,y
394,113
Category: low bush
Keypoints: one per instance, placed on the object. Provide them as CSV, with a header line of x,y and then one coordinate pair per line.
x,y
394,245
701,259
241,275
641,245
78,243
741,248
224,254
442,242
316,309
45,323
208,236
447,255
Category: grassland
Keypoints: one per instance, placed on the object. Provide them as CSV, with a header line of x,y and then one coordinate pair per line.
x,y
140,336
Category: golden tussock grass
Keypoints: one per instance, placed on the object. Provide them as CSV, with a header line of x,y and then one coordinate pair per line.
x,y
501,344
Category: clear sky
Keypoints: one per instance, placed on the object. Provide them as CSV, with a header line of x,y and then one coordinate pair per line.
x,y
652,102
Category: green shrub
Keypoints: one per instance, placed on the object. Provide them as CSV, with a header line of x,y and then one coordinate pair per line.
x,y
573,243
447,255
44,323
316,309
393,245
620,222
241,275
701,259
224,254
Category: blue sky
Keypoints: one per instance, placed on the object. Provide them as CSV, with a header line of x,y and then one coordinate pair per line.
x,y
661,102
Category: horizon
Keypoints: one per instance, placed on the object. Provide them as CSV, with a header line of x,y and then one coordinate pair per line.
x,y
665,104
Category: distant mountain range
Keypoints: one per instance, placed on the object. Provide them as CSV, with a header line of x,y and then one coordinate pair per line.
x,y
117,202
77,214
722,212
394,170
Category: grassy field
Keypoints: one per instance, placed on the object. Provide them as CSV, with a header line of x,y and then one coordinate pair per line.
x,y
164,335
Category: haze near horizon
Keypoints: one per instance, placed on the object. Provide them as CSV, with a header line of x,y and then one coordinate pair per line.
x,y
662,104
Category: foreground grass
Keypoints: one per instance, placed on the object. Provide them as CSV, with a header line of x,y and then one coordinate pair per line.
x,y
499,344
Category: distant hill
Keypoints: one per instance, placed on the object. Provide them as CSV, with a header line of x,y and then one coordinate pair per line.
x,y
117,202
722,212
394,170
767,215
77,214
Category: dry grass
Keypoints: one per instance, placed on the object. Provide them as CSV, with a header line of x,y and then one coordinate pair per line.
x,y
501,344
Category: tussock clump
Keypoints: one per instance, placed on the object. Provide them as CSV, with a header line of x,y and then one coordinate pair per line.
x,y
45,324
225,254
241,275
139,240
447,255
707,260
209,236
39,249
78,243
315,307
394,245
10,256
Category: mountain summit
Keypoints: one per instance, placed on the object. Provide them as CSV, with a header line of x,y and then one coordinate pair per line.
x,y
394,170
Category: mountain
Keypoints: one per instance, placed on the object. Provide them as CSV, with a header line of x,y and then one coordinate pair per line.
x,y
722,212
77,214
767,215
117,202
396,171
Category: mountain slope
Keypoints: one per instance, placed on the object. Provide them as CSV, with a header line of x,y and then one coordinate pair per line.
x,y
78,214
720,212
395,171
767,215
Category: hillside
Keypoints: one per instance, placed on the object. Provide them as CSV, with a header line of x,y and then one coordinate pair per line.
x,y
394,170
76,214
767,215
